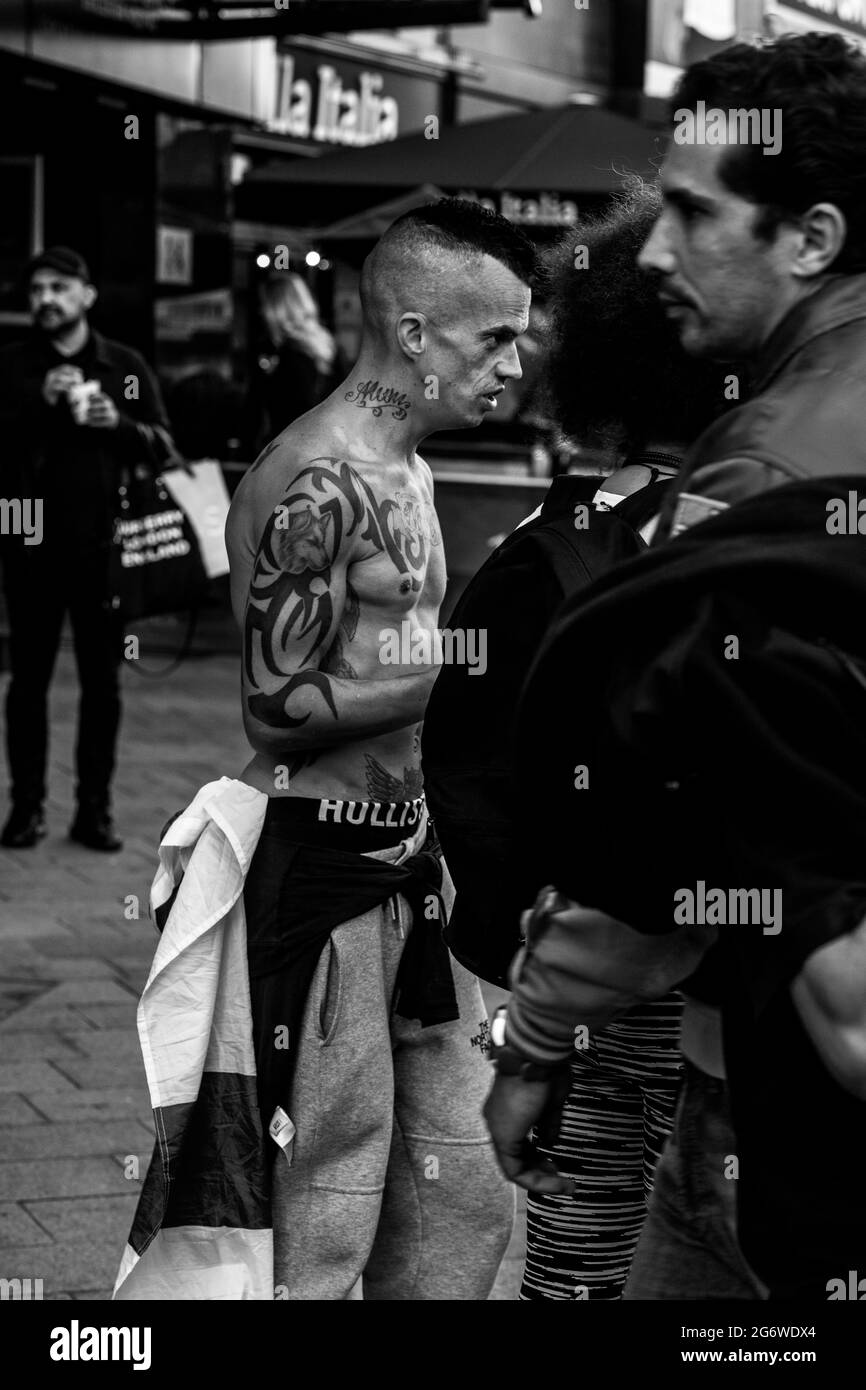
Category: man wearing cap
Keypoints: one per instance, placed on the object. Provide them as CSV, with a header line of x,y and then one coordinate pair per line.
x,y
73,407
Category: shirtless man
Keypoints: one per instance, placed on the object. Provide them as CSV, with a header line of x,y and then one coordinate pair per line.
x,y
334,544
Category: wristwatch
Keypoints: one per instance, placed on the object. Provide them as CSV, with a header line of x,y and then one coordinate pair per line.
x,y
508,1061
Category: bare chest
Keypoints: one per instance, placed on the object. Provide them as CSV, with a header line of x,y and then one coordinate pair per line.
x,y
401,565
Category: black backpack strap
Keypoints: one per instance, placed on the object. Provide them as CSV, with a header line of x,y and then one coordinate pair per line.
x,y
568,491
641,506
562,555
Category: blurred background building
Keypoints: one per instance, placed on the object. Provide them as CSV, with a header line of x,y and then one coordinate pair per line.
x,y
194,150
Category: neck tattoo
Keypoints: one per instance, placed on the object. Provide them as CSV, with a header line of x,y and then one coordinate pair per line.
x,y
370,395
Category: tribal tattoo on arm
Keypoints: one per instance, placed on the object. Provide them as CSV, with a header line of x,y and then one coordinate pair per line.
x,y
265,454
302,613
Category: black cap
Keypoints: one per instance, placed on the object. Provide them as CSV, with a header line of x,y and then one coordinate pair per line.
x,y
62,259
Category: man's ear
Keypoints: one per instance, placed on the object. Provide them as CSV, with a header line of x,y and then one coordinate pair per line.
x,y
412,333
90,295
821,233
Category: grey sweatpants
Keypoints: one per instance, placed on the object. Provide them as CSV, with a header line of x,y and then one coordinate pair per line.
x,y
393,1191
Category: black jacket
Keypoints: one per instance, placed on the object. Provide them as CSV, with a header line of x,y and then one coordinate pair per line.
x,y
744,771
75,469
805,418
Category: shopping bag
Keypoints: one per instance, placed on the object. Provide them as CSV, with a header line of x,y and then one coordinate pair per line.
x,y
155,566
200,490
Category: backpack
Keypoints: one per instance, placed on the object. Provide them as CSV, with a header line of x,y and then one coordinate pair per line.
x,y
466,739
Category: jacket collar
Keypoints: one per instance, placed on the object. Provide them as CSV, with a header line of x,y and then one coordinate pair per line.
x,y
103,350
842,300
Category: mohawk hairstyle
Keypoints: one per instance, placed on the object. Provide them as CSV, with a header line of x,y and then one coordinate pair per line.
x,y
453,227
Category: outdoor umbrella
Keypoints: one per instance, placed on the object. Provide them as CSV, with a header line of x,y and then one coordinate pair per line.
x,y
570,149
369,224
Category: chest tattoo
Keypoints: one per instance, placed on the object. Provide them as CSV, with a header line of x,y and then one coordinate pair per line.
x,y
290,626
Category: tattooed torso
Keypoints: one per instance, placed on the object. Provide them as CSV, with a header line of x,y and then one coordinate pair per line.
x,y
307,619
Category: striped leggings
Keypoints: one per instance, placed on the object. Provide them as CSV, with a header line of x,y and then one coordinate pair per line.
x,y
619,1111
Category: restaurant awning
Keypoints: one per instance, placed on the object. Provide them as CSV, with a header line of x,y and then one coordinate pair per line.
x,y
563,149
369,224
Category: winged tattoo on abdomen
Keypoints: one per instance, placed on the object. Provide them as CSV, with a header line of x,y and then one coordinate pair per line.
x,y
290,597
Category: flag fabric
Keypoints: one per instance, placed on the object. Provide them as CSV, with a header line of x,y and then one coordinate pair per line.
x,y
202,1229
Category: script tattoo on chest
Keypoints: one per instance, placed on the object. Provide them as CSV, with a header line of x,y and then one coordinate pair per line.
x,y
417,518
370,395
291,637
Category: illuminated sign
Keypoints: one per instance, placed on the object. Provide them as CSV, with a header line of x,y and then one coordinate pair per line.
x,y
543,210
321,108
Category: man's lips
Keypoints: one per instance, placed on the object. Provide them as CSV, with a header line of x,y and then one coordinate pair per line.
x,y
675,301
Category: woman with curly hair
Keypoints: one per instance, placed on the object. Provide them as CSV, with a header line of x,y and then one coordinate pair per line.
x,y
618,383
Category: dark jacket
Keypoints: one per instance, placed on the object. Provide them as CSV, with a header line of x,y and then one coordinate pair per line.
x,y
743,771
292,385
805,417
44,454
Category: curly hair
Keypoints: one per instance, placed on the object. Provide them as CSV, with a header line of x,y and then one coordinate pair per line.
x,y
616,375
818,82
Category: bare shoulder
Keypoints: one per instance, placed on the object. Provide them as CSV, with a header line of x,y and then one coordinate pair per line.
x,y
425,473
269,481
274,468
296,496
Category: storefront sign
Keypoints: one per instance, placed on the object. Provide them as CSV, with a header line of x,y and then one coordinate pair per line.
x,y
179,319
544,210
174,256
323,109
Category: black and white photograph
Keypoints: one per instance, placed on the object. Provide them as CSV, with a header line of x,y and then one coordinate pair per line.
x,y
433,668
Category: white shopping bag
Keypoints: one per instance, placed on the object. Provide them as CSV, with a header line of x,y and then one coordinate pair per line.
x,y
200,491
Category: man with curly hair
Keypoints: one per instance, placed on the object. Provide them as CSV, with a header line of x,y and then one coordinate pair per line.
x,y
757,255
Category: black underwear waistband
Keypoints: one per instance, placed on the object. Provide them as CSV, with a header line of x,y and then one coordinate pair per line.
x,y
341,823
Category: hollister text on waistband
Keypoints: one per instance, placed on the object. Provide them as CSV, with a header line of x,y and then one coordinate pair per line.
x,y
382,813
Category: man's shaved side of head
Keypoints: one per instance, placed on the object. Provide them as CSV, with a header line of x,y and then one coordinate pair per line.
x,y
412,267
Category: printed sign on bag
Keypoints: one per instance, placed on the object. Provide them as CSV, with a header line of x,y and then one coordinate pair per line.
x,y
147,539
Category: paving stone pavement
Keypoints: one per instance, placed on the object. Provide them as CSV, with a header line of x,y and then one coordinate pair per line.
x,y
75,949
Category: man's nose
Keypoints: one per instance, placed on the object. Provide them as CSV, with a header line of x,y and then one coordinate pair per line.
x,y
656,254
509,365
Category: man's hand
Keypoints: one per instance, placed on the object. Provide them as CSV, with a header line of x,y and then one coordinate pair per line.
x,y
513,1108
102,413
58,381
